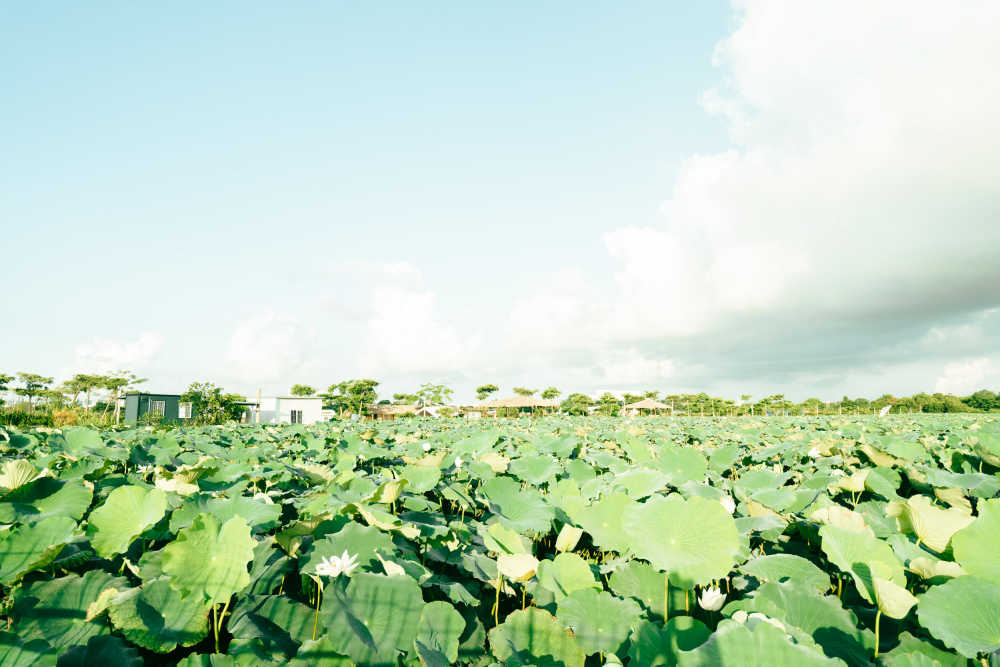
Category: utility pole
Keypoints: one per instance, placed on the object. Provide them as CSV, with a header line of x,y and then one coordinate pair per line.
x,y
258,405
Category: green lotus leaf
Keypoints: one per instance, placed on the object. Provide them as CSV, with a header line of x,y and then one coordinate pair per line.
x,y
933,525
156,617
786,567
15,474
600,621
640,483
320,653
964,613
261,516
45,497
420,479
761,646
694,540
363,542
603,521
517,567
977,546
31,547
104,650
534,469
645,584
499,539
17,652
564,574
124,515
210,561
568,537
522,510
853,552
387,492
913,652
654,644
375,618
278,622
439,631
681,464
56,610
893,600
533,637
821,617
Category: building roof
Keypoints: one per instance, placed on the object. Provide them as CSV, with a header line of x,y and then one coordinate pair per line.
x,y
647,404
384,409
518,402
148,393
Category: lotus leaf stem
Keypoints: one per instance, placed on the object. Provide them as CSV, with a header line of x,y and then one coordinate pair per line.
x,y
878,617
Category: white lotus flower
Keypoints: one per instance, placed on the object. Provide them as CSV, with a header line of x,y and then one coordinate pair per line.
x,y
711,599
728,503
334,566
145,470
814,452
427,446
459,462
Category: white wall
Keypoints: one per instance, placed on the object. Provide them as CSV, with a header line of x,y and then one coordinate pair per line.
x,y
278,409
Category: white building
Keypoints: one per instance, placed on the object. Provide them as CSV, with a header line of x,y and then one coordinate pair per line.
x,y
287,410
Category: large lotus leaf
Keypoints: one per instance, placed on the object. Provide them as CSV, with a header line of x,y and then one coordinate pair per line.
x,y
259,514
893,600
913,652
439,631
319,653
534,469
977,546
519,509
210,561
964,613
156,617
363,542
681,464
752,481
694,540
375,618
600,621
933,525
81,442
533,637
45,497
105,650
517,567
654,644
822,617
499,539
15,474
786,567
277,621
987,446
56,610
127,512
603,521
566,573
28,548
18,652
421,479
764,645
645,584
853,552
640,483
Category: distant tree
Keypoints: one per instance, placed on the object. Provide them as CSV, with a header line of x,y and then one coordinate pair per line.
x,y
117,384
576,404
84,383
301,390
352,396
433,394
522,391
811,405
632,398
4,381
550,393
34,385
404,399
210,405
483,391
984,400
652,393
447,411
608,404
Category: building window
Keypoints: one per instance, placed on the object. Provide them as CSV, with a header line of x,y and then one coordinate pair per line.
x,y
296,416
184,411
158,408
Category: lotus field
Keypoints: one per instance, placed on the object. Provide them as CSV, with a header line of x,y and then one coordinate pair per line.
x,y
550,541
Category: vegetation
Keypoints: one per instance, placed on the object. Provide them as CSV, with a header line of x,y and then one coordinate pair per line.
x,y
301,390
831,540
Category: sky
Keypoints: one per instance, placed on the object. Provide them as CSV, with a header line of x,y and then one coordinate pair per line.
x,y
755,197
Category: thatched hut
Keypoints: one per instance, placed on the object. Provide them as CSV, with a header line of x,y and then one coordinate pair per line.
x,y
513,405
648,405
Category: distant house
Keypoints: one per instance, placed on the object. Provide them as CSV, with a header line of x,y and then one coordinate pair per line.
x,y
165,407
389,412
285,410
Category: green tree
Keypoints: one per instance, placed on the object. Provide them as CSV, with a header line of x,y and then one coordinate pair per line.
x,y
577,404
352,396
301,390
483,391
84,383
433,394
522,391
608,404
210,405
117,384
550,393
34,385
404,399
4,381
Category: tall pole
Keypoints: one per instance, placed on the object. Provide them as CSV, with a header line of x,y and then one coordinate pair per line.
x,y
258,405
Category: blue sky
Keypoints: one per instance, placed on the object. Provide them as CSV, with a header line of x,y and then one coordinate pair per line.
x,y
613,196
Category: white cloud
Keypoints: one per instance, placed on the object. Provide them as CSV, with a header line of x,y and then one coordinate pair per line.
x,y
103,355
964,377
268,348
